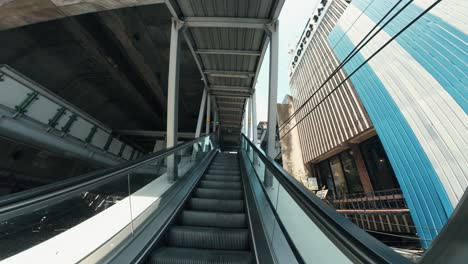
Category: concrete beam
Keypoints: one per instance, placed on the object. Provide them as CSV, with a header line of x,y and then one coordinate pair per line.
x,y
17,13
116,25
89,43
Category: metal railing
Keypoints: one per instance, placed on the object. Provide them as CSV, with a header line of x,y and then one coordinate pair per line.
x,y
349,240
118,200
385,199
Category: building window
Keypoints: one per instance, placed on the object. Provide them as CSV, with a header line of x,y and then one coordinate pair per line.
x,y
338,176
377,163
351,172
326,177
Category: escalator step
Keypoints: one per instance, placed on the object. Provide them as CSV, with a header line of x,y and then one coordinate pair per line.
x,y
209,177
218,173
220,185
214,219
208,238
218,194
214,205
225,163
168,255
224,168
224,172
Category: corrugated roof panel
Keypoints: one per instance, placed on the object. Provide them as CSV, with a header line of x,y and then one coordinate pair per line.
x,y
230,81
225,62
228,38
227,8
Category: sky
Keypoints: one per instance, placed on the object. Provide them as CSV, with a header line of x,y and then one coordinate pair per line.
x,y
292,21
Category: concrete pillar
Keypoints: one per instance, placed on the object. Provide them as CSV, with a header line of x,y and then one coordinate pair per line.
x,y
173,98
272,96
362,170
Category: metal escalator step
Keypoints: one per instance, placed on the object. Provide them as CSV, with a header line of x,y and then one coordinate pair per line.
x,y
213,219
225,172
218,194
208,237
210,177
225,168
220,185
225,163
214,205
173,255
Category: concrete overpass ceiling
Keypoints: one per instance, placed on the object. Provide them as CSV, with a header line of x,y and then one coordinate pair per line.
x,y
111,64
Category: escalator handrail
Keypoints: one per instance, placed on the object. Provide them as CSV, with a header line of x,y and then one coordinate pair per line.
x,y
20,199
353,241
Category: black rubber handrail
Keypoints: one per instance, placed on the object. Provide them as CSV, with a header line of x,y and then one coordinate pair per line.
x,y
350,239
92,177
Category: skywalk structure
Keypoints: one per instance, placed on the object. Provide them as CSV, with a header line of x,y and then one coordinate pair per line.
x,y
126,89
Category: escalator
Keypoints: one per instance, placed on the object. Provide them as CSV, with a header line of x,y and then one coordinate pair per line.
x,y
190,204
212,228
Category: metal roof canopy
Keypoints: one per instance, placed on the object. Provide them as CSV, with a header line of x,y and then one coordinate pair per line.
x,y
228,40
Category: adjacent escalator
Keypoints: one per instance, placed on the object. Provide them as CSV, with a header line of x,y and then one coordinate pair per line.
x,y
212,227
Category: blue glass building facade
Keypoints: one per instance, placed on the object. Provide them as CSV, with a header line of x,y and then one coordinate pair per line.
x,y
415,92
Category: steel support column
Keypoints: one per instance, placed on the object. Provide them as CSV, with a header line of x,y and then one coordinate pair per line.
x,y
272,96
208,113
215,120
201,114
254,119
173,98
249,117
254,125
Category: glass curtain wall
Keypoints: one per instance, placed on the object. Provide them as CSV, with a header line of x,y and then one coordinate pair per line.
x,y
351,172
379,167
338,176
